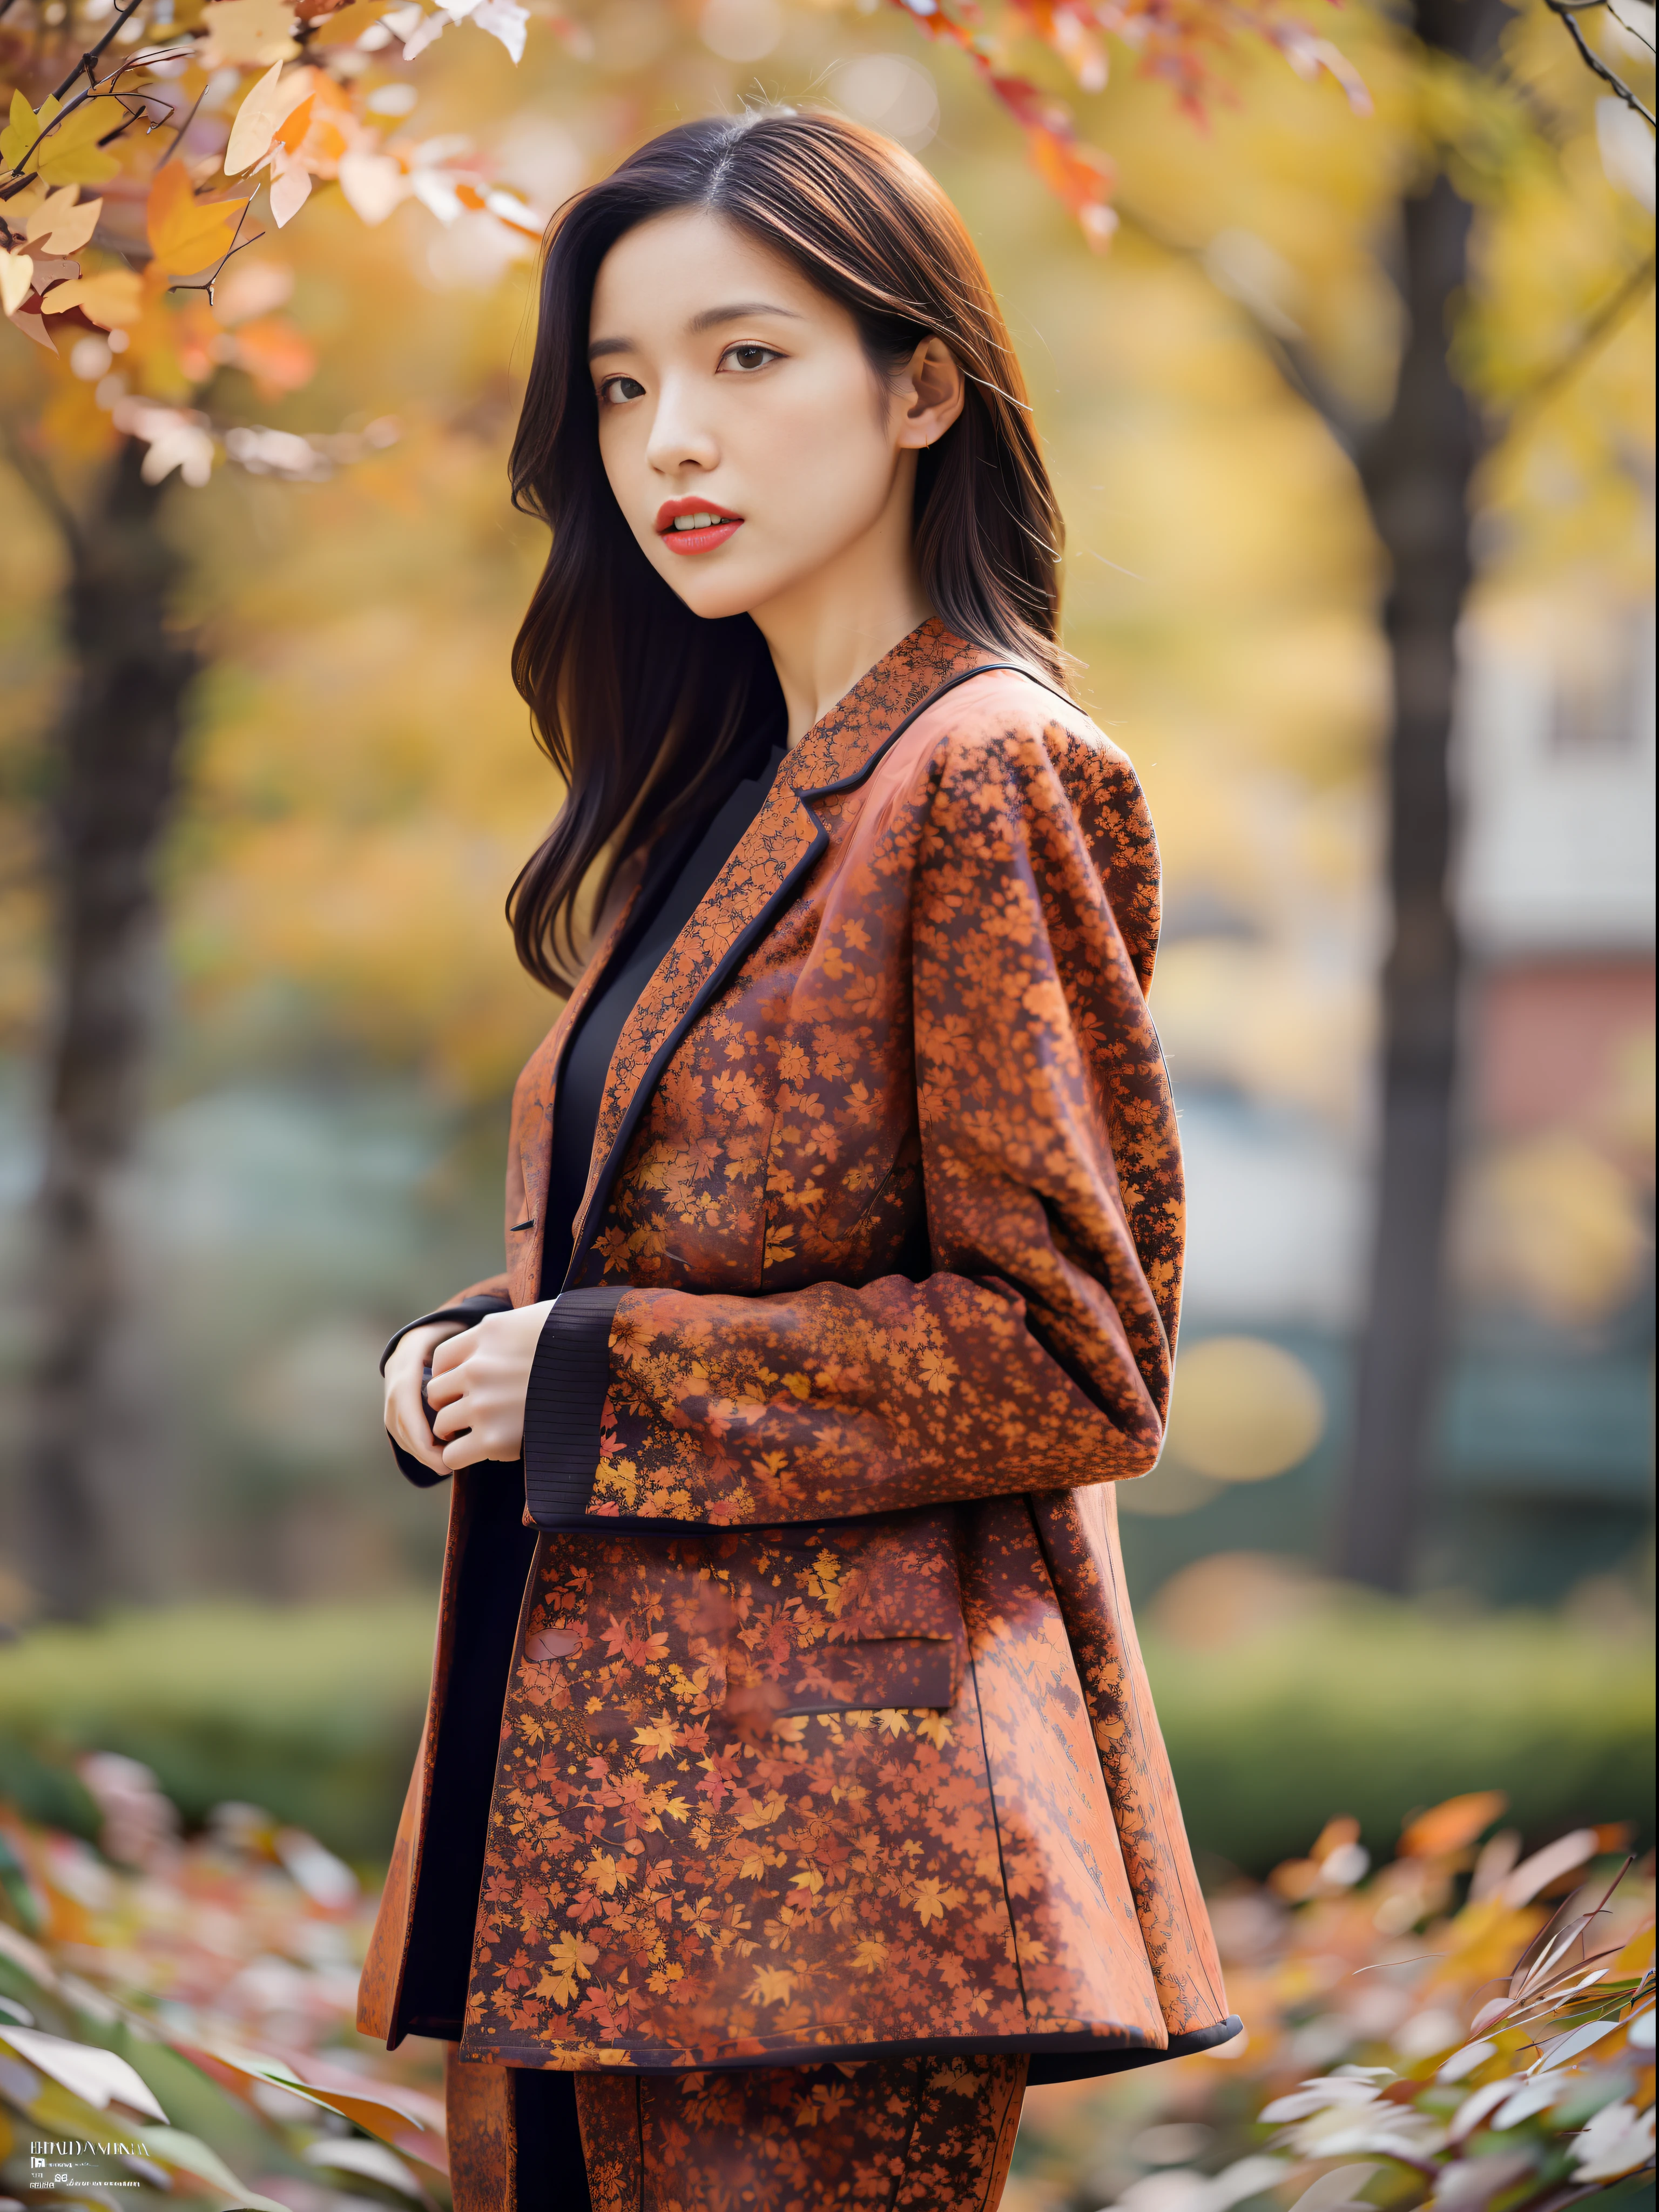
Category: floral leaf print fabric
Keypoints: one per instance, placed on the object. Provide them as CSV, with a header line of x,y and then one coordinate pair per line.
x,y
705,1847
826,1735
906,2134
946,1046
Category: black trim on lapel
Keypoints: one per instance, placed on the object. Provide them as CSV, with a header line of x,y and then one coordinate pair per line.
x,y
741,946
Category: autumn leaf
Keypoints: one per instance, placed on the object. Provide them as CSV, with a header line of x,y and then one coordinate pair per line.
x,y
932,1899
1450,1827
17,280
186,233
345,25
112,298
241,34
63,152
58,226
70,153
870,1954
275,355
657,1738
771,1985
569,1960
268,105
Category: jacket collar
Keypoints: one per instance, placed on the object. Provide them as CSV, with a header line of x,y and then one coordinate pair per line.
x,y
770,859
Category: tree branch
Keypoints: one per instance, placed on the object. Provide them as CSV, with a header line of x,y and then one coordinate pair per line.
x,y
1595,334
38,479
93,54
1568,11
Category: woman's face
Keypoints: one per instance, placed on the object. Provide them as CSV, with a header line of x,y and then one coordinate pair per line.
x,y
747,442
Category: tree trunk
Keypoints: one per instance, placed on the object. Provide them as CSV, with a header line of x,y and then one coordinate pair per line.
x,y
1417,471
115,773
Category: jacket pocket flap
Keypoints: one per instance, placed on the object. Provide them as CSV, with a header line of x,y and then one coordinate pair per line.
x,y
853,1677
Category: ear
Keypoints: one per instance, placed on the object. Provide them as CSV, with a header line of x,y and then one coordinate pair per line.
x,y
931,393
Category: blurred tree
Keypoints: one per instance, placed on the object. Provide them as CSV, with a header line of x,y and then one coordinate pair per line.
x,y
135,282
180,376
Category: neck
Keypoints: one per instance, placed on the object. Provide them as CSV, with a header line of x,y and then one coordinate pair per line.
x,y
827,631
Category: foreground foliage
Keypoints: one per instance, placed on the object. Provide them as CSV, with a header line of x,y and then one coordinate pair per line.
x,y
1468,2027
1452,2030
174,2018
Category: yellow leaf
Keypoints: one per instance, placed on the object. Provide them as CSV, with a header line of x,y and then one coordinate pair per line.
x,y
20,133
347,25
58,226
70,153
186,233
268,105
113,296
16,281
240,33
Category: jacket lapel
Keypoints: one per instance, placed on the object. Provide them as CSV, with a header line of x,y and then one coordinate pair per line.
x,y
763,874
537,1088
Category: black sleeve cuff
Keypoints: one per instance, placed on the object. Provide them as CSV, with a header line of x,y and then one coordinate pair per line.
x,y
464,1311
563,1406
416,1470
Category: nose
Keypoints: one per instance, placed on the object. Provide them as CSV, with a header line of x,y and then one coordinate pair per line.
x,y
679,440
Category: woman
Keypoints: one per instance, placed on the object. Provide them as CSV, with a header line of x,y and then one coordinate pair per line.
x,y
790,1783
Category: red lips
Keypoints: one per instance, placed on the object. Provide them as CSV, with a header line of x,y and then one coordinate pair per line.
x,y
720,525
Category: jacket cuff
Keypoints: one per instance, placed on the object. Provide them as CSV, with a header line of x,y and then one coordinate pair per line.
x,y
415,1470
569,1380
465,1310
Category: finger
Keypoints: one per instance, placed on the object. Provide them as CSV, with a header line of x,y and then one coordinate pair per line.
x,y
453,1350
466,1450
408,1427
449,1421
444,1389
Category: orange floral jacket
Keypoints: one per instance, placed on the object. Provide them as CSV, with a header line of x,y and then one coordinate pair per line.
x,y
827,1733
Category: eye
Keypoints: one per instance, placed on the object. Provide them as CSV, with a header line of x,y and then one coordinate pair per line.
x,y
616,391
746,359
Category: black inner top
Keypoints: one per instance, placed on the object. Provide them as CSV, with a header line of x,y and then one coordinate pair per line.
x,y
498,1550
675,886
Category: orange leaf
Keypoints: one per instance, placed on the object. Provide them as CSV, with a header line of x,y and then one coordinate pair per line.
x,y
1450,1827
275,355
289,134
186,233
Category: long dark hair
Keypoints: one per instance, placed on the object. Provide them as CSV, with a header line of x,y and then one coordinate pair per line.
x,y
637,701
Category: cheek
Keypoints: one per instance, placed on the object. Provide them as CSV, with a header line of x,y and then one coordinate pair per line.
x,y
823,464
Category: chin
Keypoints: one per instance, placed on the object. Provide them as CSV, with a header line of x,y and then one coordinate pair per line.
x,y
713,596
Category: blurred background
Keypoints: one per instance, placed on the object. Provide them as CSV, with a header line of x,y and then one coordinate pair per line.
x,y
303,1100
1400,1545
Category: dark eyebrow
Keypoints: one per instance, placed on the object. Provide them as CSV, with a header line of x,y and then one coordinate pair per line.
x,y
710,319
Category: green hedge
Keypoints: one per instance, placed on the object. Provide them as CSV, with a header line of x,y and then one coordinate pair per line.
x,y
313,1712
1380,1709
1371,1709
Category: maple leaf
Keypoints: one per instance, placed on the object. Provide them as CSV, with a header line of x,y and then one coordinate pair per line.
x,y
186,233
771,1985
58,226
66,151
570,1961
870,1954
112,298
930,1900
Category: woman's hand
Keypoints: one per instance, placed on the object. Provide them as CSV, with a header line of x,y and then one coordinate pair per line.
x,y
405,1409
479,1379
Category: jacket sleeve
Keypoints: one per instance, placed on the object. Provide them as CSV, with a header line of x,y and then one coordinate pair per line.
x,y
1037,1355
467,1307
